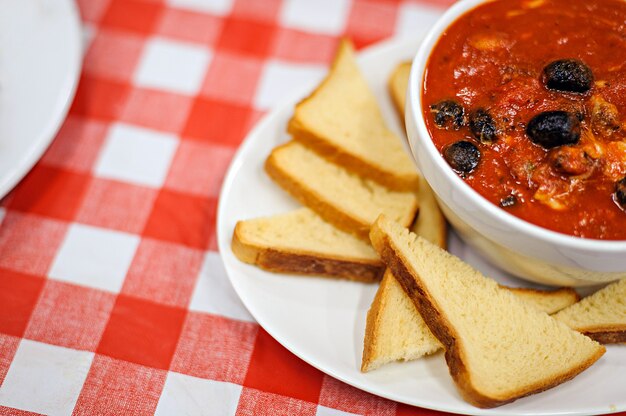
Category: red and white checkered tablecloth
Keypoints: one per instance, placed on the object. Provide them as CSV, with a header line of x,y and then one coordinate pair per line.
x,y
113,298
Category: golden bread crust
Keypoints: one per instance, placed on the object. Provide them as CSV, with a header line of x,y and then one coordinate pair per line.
x,y
432,224
373,321
299,262
311,199
601,316
352,162
442,329
338,155
398,79
565,291
606,334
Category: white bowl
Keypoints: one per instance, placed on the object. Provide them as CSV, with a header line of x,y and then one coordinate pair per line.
x,y
519,247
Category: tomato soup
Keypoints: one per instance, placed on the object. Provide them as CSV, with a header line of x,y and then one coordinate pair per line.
x,y
526,100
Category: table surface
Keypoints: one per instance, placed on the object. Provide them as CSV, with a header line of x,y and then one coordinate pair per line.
x,y
113,298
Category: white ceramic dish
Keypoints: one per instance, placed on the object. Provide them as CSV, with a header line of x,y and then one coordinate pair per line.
x,y
40,61
322,321
515,245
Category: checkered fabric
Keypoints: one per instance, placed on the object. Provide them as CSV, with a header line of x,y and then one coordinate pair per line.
x,y
113,298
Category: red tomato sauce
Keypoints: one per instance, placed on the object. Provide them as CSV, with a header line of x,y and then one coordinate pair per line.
x,y
493,58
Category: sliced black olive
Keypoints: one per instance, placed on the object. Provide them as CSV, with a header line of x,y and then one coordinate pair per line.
x,y
448,114
509,201
554,128
462,156
482,126
620,193
568,75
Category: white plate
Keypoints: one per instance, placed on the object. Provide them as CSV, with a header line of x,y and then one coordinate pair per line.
x,y
40,60
322,321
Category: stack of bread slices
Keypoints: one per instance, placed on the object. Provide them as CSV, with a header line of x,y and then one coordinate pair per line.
x,y
360,193
346,167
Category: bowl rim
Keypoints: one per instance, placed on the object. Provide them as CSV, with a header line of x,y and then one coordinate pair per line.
x,y
414,110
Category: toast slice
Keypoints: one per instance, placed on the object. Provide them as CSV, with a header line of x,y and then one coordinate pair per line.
x,y
301,242
497,347
548,301
339,196
430,224
395,331
397,85
601,316
341,120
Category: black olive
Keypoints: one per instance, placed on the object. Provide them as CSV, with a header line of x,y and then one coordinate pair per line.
x,y
554,128
620,193
568,75
462,156
509,201
482,126
448,114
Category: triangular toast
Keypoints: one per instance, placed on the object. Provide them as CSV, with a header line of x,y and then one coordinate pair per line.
x,y
601,316
430,223
395,331
341,120
341,197
497,347
397,85
301,242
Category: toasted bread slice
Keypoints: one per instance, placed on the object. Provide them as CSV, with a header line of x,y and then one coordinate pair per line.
x,y
601,316
395,331
339,196
301,242
341,120
548,301
397,86
430,224
497,347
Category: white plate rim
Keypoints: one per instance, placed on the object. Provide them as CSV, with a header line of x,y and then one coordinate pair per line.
x,y
224,250
47,134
